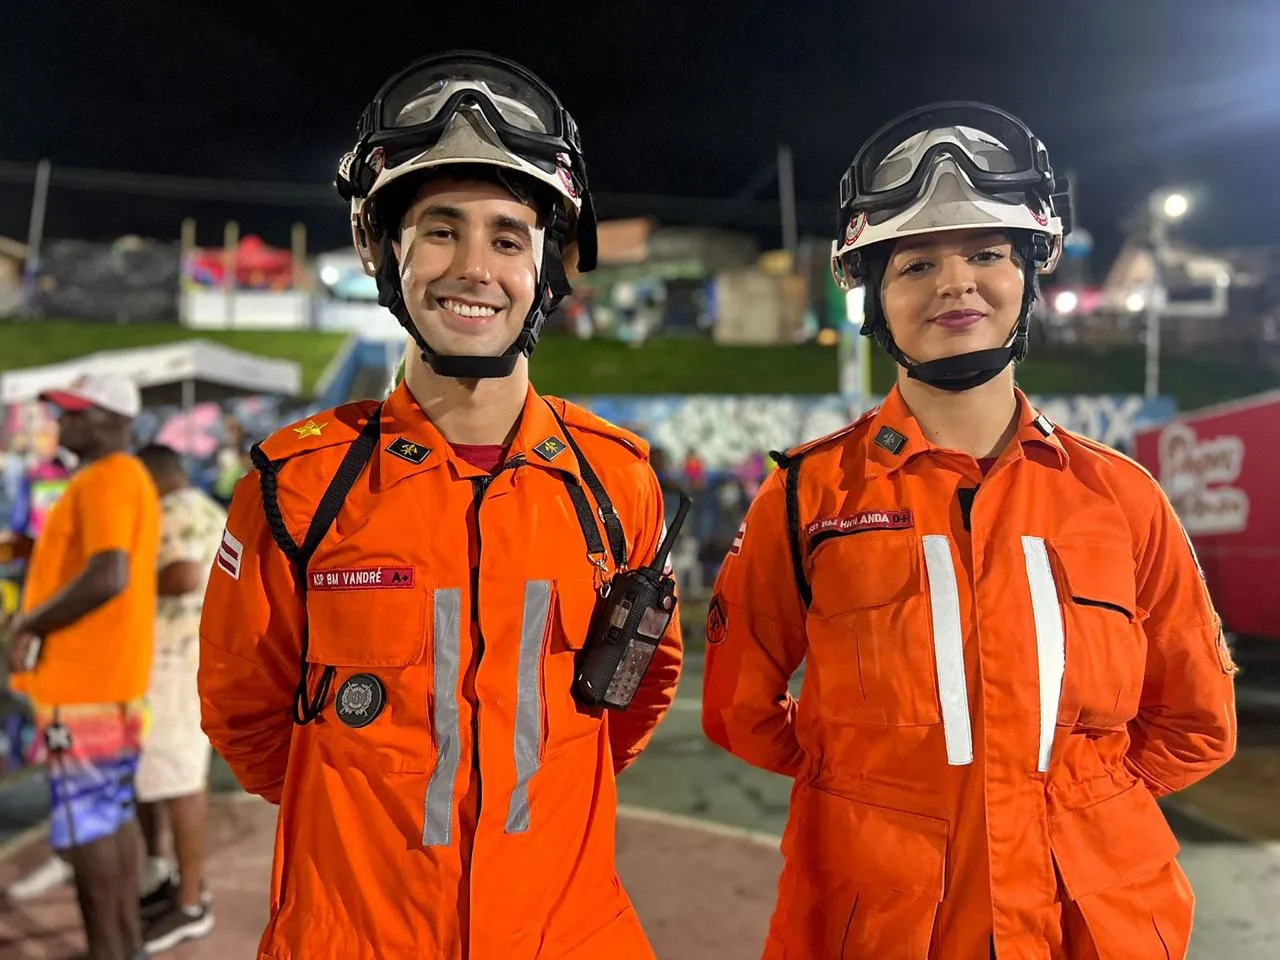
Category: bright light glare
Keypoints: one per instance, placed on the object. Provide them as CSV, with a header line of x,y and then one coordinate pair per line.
x,y
1176,206
329,275
1135,303
1066,301
854,306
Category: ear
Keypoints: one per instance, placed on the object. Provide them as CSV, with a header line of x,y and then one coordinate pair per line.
x,y
569,257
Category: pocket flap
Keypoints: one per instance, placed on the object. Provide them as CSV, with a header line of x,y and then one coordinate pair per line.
x,y
1111,843
367,628
576,603
1099,572
865,570
872,845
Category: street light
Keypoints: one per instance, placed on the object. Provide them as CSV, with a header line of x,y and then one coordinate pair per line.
x,y
1066,301
1150,228
1175,206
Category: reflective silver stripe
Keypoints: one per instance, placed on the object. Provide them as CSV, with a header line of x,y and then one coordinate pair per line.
x,y
437,825
1051,643
537,607
948,650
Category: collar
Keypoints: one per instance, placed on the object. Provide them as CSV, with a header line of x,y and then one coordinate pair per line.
x,y
894,436
411,444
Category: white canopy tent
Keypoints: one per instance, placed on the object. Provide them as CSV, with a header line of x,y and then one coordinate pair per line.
x,y
178,373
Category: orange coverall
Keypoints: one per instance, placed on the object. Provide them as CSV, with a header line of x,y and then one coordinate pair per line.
x,y
990,706
475,815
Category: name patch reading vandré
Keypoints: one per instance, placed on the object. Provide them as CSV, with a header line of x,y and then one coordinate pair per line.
x,y
362,578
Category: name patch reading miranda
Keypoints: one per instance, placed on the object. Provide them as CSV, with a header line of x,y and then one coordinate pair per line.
x,y
858,522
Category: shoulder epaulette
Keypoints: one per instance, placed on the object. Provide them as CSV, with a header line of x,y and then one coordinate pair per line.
x,y
337,426
783,458
582,418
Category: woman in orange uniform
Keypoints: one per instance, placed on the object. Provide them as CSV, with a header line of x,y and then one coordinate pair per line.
x,y
1010,652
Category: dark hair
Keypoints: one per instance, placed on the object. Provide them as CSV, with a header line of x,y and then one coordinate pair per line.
x,y
162,461
398,196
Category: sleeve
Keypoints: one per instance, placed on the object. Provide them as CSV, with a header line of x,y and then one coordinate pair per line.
x,y
250,647
756,641
630,730
1186,723
119,484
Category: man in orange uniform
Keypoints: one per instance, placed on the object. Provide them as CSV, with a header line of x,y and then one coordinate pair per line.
x,y
82,649
442,792
1009,651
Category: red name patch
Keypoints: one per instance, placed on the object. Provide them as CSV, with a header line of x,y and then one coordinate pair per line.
x,y
362,578
866,520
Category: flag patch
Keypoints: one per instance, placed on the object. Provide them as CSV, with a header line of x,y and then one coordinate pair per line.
x,y
737,541
230,554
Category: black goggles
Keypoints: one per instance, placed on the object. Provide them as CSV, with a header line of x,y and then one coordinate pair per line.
x,y
412,110
883,177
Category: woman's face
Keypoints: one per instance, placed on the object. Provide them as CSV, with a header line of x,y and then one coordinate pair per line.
x,y
952,292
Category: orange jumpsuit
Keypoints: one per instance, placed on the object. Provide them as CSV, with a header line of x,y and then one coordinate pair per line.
x,y
473,814
993,697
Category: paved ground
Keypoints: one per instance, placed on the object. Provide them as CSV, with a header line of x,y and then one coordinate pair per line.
x,y
696,853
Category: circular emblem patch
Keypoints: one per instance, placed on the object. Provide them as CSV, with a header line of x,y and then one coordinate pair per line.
x,y
360,700
854,230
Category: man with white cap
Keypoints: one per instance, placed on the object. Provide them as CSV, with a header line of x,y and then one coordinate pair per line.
x,y
81,650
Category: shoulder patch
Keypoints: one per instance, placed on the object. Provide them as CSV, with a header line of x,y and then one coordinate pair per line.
x,y
340,425
840,434
582,418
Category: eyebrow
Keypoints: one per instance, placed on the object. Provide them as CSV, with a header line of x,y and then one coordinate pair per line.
x,y
499,221
911,245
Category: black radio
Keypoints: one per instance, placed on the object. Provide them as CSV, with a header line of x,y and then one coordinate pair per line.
x,y
627,628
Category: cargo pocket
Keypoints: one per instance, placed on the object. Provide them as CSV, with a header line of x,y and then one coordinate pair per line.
x,y
871,651
565,719
379,710
860,881
1105,645
1117,862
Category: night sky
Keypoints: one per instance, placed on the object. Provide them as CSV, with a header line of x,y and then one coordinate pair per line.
x,y
680,99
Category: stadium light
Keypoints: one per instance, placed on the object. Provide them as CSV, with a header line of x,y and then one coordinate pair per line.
x,y
1066,301
329,275
1135,303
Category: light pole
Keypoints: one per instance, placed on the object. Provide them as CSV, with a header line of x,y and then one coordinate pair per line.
x,y
1163,208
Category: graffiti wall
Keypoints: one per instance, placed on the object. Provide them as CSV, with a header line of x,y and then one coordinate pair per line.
x,y
724,431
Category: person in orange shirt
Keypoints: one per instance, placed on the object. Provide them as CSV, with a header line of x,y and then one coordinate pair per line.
x,y
400,626
81,650
1009,651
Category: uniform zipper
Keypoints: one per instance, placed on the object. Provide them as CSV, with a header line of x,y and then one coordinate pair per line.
x,y
479,486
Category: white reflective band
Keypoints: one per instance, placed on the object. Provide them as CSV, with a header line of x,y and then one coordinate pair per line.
x,y
948,650
1051,643
438,814
528,746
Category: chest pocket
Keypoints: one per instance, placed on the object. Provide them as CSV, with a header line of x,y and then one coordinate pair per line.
x,y
565,720
387,634
1105,644
871,654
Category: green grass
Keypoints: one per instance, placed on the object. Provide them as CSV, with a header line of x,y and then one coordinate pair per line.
x,y
566,366
52,341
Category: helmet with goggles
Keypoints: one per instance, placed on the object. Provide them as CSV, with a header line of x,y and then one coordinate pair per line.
x,y
945,167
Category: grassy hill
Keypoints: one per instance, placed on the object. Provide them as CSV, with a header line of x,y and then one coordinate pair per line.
x,y
565,365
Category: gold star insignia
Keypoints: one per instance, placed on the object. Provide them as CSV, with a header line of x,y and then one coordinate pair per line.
x,y
549,448
408,450
309,429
